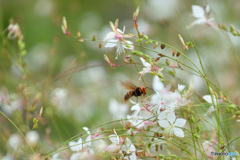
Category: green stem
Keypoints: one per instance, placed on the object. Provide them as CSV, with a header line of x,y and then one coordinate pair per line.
x,y
18,131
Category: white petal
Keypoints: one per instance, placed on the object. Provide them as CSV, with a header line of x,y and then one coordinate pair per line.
x,y
88,141
155,99
120,31
207,98
171,117
113,106
110,35
198,21
178,132
76,146
136,108
162,115
211,109
207,9
146,64
180,122
164,123
111,43
181,87
87,130
75,156
157,84
198,11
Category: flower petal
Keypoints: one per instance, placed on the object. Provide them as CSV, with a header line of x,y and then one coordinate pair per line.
x,y
197,11
180,122
207,98
181,87
171,117
157,84
178,132
145,63
164,123
111,43
110,35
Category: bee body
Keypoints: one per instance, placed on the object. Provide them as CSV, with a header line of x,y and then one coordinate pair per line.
x,y
134,91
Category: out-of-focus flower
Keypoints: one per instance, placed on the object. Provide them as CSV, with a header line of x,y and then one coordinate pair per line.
x,y
165,99
14,31
117,110
170,125
208,98
14,141
82,147
116,144
146,69
33,137
129,149
202,16
56,157
116,39
8,157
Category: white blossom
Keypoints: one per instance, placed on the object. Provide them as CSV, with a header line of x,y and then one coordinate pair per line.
x,y
146,69
171,124
116,39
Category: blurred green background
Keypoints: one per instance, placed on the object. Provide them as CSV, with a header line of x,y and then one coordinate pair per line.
x,y
82,98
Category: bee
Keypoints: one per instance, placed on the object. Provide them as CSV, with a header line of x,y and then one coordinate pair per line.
x,y
134,90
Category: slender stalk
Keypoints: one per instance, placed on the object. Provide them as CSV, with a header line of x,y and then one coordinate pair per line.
x,y
18,131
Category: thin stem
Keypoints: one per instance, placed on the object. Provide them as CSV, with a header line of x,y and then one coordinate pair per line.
x,y
18,131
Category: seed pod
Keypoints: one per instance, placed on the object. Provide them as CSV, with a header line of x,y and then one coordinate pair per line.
x,y
179,65
161,55
155,45
173,52
178,54
162,46
100,45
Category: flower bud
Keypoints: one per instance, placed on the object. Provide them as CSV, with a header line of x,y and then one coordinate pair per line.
x,y
167,62
192,119
139,40
137,53
172,73
93,38
155,45
162,46
178,54
232,106
100,45
78,34
149,42
198,128
196,136
145,37
173,52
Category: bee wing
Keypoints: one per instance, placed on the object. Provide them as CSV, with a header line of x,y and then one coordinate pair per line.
x,y
128,85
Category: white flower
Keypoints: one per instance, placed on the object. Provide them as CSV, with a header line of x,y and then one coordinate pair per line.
x,y
181,87
136,108
170,125
118,110
81,146
208,98
129,149
13,31
33,137
114,138
165,99
55,157
202,16
147,68
116,39
15,141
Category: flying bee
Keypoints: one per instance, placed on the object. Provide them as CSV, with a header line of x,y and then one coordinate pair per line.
x,y
134,90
